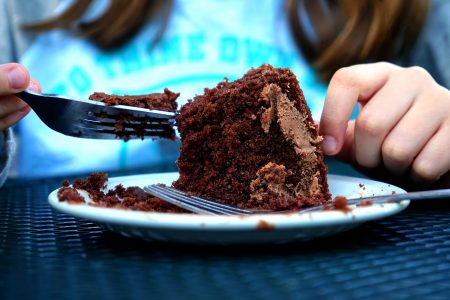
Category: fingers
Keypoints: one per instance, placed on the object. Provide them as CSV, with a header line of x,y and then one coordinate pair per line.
x,y
382,113
403,124
10,104
347,153
13,117
347,87
13,78
433,160
35,85
407,139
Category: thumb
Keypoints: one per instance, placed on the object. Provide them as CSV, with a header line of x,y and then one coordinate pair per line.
x,y
13,78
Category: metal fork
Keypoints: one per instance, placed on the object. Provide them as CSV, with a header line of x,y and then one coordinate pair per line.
x,y
203,206
193,203
93,119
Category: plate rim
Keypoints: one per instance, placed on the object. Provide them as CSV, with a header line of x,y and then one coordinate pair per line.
x,y
184,222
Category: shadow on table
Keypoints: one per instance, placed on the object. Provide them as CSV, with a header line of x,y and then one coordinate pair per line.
x,y
362,237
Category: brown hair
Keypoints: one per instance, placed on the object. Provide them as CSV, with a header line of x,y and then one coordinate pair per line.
x,y
346,32
118,23
349,32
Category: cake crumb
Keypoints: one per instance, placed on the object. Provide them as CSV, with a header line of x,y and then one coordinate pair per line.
x,y
69,194
366,203
264,226
119,197
341,203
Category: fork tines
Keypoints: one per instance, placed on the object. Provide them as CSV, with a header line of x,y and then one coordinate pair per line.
x,y
125,126
193,203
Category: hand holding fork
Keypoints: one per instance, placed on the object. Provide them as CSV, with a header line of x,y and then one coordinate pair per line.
x,y
92,119
76,117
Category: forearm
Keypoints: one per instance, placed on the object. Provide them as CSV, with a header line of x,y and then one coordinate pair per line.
x,y
7,149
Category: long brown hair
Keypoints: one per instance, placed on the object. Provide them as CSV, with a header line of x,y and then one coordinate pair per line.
x,y
119,22
349,32
346,32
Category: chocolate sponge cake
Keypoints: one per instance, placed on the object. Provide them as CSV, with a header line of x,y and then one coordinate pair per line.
x,y
252,143
127,126
162,101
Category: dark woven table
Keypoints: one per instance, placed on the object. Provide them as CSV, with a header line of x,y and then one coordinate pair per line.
x,y
48,255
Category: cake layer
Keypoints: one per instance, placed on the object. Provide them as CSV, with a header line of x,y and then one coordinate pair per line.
x,y
162,101
252,143
127,126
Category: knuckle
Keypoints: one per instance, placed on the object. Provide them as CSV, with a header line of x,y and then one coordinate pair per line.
x,y
439,98
345,76
387,65
396,153
443,95
417,74
424,170
369,125
435,101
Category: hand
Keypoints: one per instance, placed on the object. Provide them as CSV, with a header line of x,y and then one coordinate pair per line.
x,y
14,78
403,126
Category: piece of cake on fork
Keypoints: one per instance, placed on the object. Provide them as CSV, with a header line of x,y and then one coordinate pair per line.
x,y
128,126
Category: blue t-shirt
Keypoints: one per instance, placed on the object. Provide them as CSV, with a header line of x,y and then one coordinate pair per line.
x,y
204,42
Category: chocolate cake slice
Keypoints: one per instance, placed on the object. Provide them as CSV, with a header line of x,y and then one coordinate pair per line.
x,y
125,125
252,143
162,101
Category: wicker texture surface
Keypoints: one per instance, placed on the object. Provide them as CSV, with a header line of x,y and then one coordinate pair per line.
x,y
48,255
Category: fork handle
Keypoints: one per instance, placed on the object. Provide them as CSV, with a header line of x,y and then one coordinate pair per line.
x,y
413,196
25,96
30,97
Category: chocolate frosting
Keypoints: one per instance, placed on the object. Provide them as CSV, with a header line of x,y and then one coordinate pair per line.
x,y
295,128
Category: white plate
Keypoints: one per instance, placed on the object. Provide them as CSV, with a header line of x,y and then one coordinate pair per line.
x,y
273,228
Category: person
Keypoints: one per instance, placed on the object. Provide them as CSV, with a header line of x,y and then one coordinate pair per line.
x,y
401,130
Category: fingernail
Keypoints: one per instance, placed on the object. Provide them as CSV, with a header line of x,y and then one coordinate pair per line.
x,y
17,78
329,144
34,86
